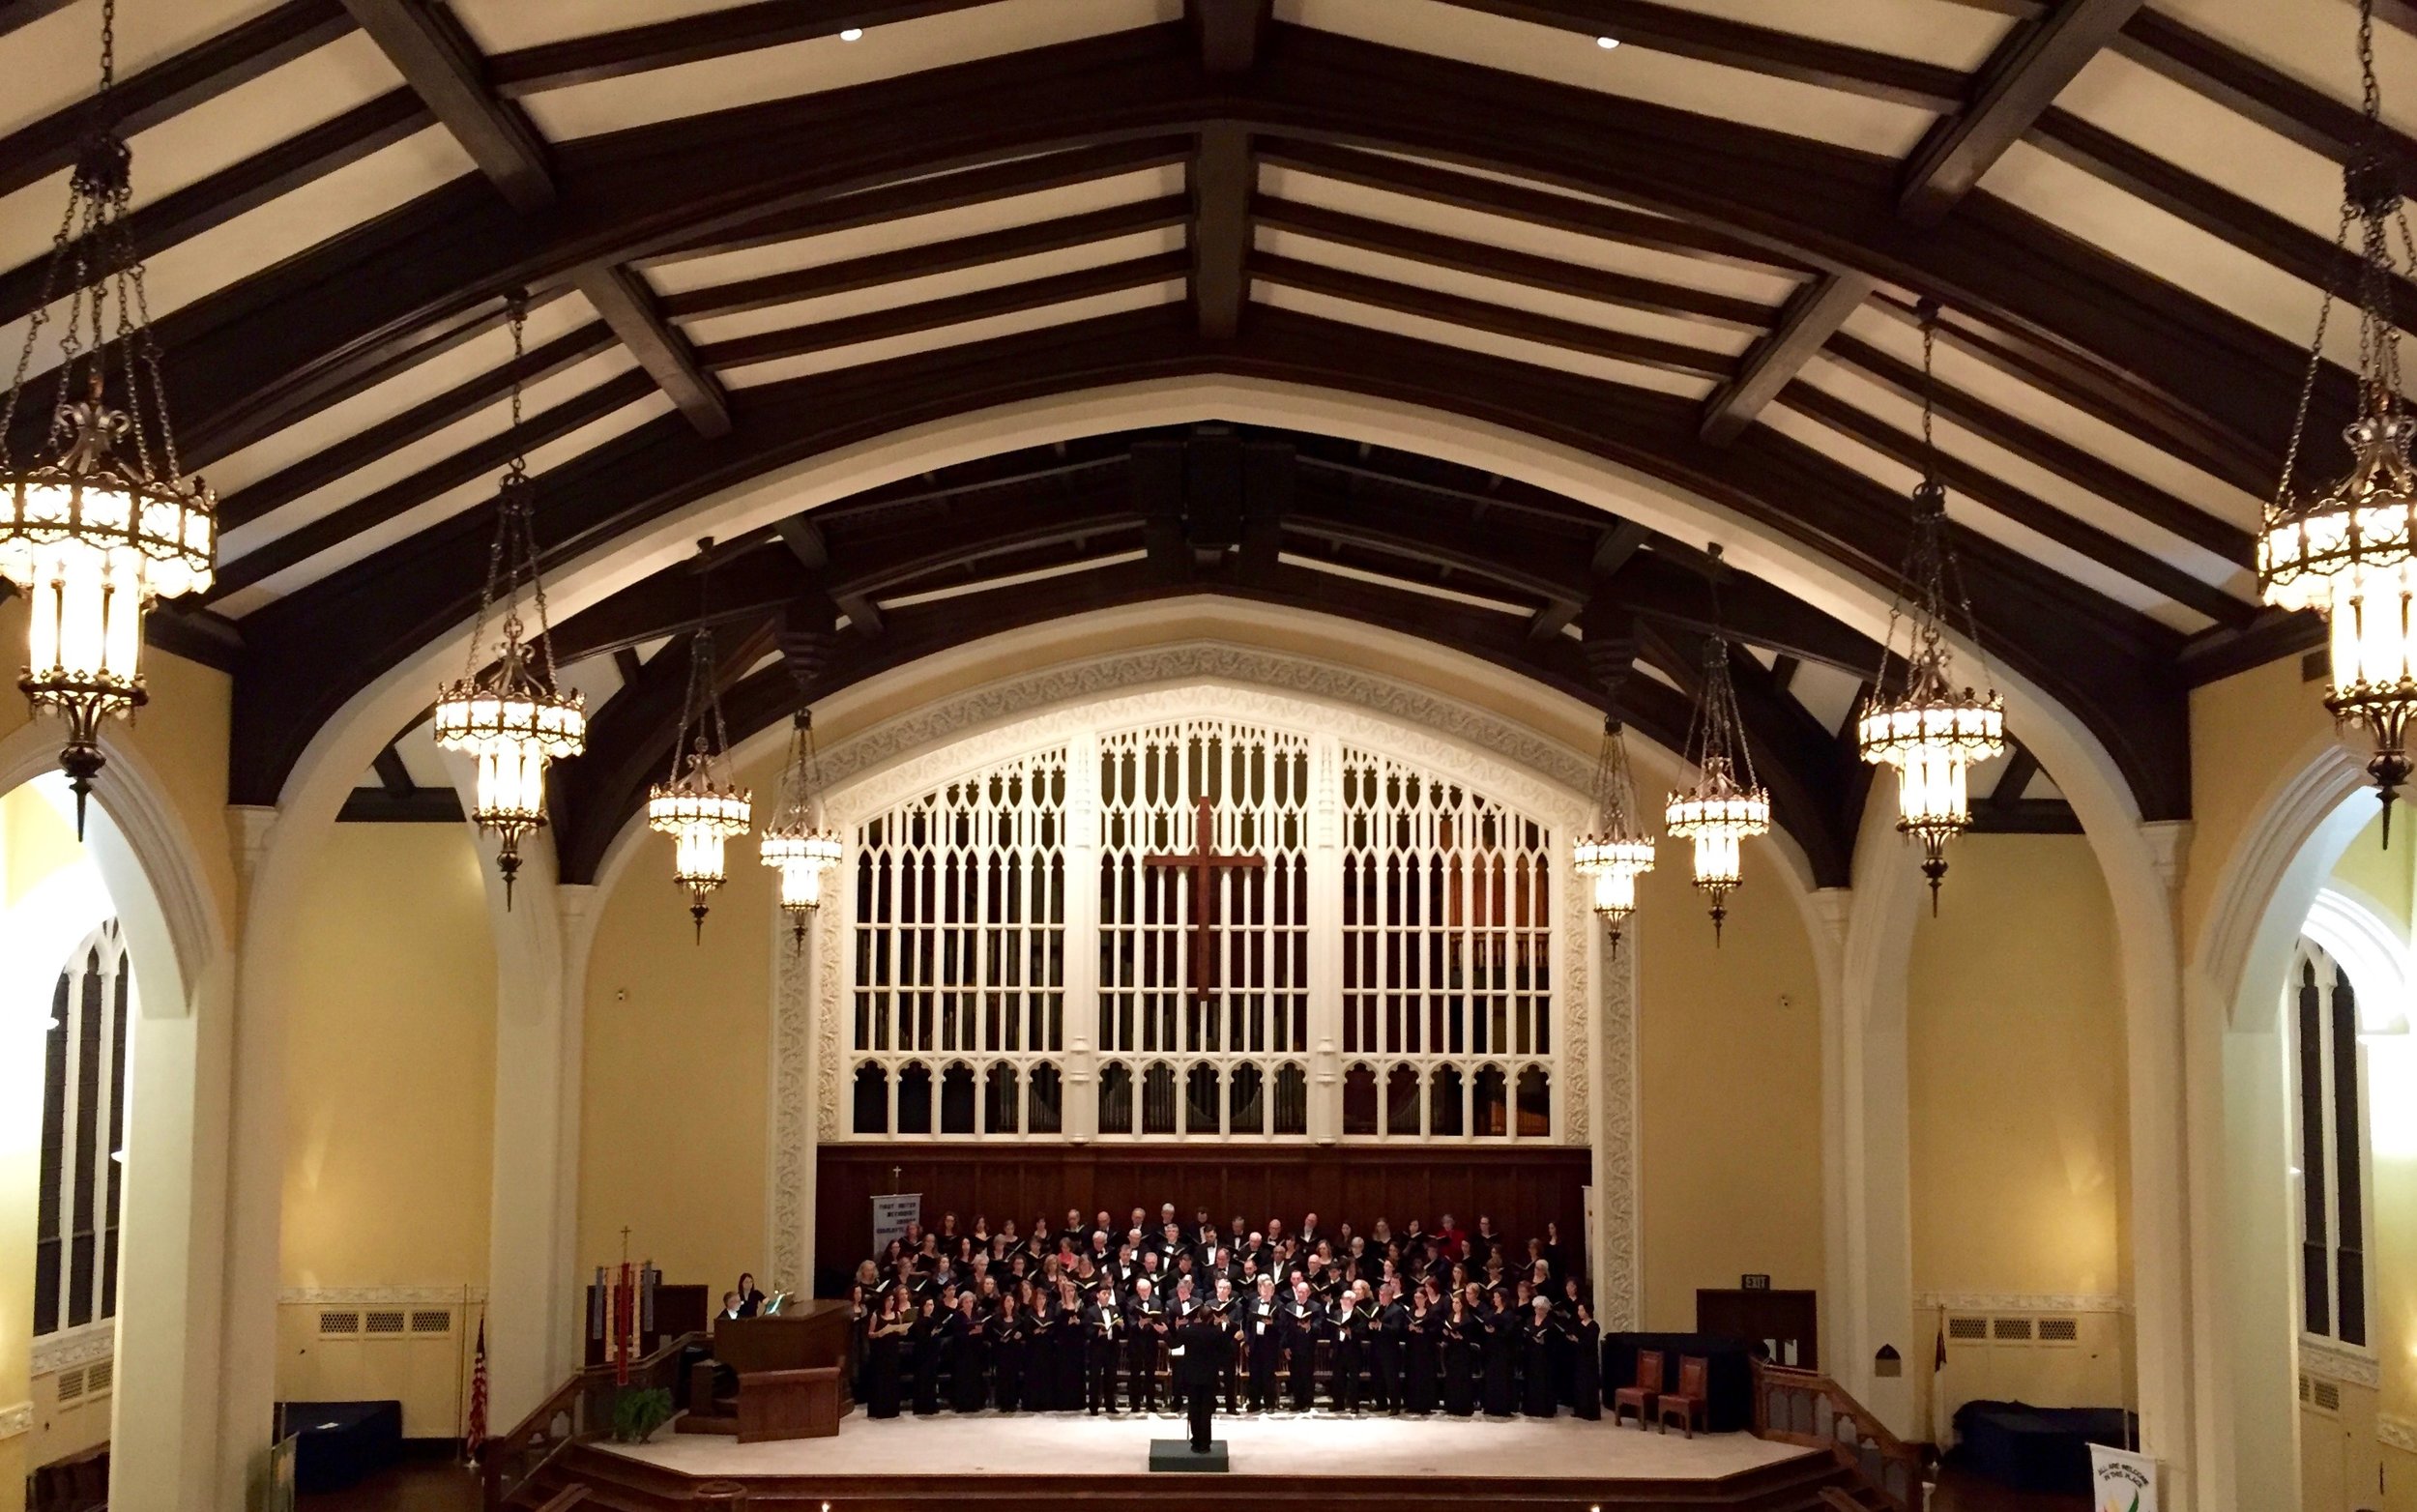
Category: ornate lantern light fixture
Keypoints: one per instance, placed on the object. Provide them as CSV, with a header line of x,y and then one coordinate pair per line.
x,y
2350,552
1930,732
795,844
512,718
698,806
1727,806
99,523
1616,850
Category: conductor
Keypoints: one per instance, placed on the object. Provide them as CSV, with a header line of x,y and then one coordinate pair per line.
x,y
1197,1350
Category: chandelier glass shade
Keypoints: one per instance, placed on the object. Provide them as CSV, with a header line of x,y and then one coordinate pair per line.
x,y
98,523
1616,850
1930,732
698,806
795,844
512,718
2350,551
1727,806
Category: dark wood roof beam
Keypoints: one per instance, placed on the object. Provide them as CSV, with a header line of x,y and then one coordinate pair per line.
x,y
323,467
2029,70
2021,767
1500,319
1554,617
437,59
805,541
941,313
1757,50
1488,260
931,258
2112,552
175,85
1618,548
1223,174
2050,452
1805,326
1520,202
695,39
629,307
392,775
2295,111
17,14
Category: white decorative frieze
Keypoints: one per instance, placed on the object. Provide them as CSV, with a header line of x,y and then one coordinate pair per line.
x,y
70,1348
2330,1359
381,1295
2023,1301
15,1420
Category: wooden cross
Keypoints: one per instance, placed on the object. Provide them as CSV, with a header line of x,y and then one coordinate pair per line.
x,y
1204,864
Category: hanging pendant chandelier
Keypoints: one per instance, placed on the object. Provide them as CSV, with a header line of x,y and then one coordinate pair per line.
x,y
1618,851
794,843
1929,731
512,718
2350,552
699,806
99,523
1726,807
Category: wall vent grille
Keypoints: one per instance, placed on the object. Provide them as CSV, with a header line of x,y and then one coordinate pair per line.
x,y
382,1319
2011,1330
99,1377
2326,1396
2061,1330
431,1320
71,1385
344,1322
1970,1330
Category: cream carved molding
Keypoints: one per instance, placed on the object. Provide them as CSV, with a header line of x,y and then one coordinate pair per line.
x,y
73,1347
905,757
2024,1301
2330,1359
2396,1433
380,1296
17,1420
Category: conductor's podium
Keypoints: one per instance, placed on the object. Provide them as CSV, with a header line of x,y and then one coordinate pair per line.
x,y
793,1380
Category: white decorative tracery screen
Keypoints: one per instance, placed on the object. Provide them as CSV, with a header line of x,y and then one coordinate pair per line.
x,y
959,945
1448,945
1223,1054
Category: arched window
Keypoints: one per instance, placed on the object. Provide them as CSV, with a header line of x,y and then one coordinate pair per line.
x,y
1401,1100
956,1099
83,1130
999,1100
1200,1100
1493,1110
1158,1098
1535,1103
2330,1146
1292,1099
1045,1091
1246,1094
915,1098
1359,1100
1115,1098
1447,1089
872,1099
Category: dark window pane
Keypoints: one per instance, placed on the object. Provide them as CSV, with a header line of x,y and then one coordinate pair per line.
x,y
1292,1099
1359,1100
999,1100
1246,1092
1200,1100
915,1100
1115,1098
1158,1098
957,1099
872,1100
1046,1094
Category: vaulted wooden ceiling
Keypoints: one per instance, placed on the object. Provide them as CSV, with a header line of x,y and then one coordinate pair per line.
x,y
750,239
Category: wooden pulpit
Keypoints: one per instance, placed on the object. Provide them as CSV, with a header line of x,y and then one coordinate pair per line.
x,y
788,1404
792,1383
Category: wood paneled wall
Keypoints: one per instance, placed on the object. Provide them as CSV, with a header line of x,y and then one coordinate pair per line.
x,y
1521,1188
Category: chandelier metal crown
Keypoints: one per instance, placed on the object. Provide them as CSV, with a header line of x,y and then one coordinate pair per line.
x,y
1931,731
98,523
698,806
1616,850
512,718
1727,806
2349,553
795,844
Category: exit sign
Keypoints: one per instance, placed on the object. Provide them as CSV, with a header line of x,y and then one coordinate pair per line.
x,y
1754,1283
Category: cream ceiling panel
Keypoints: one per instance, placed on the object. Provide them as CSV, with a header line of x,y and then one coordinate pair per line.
x,y
55,62
1951,36
2314,41
507,25
1708,89
1115,304
826,63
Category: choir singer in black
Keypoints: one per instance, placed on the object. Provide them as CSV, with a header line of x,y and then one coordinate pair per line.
x,y
1195,1350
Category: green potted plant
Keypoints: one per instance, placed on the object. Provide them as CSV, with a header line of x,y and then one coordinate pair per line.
x,y
638,1412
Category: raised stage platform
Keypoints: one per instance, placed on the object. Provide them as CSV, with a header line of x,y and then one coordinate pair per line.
x,y
1403,1464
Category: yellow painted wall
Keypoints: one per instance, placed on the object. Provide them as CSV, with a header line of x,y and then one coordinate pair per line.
x,y
2014,1050
1728,1058
391,1063
673,1112
2246,732
2383,878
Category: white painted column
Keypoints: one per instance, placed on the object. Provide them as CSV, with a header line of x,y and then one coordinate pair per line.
x,y
1081,1061
255,1154
536,1077
1325,939
1827,913
794,1067
1616,1245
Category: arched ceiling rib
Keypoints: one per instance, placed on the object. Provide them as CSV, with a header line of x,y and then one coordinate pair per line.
x,y
1697,255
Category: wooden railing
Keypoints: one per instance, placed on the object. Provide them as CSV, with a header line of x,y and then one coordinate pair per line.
x,y
1800,1406
580,1409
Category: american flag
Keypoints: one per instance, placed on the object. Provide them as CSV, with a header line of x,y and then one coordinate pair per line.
x,y
474,1438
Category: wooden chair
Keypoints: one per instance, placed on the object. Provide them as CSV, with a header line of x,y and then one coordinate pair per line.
x,y
1692,1401
1642,1392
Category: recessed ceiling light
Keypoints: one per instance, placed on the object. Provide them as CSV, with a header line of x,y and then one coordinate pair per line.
x,y
853,34
1606,42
